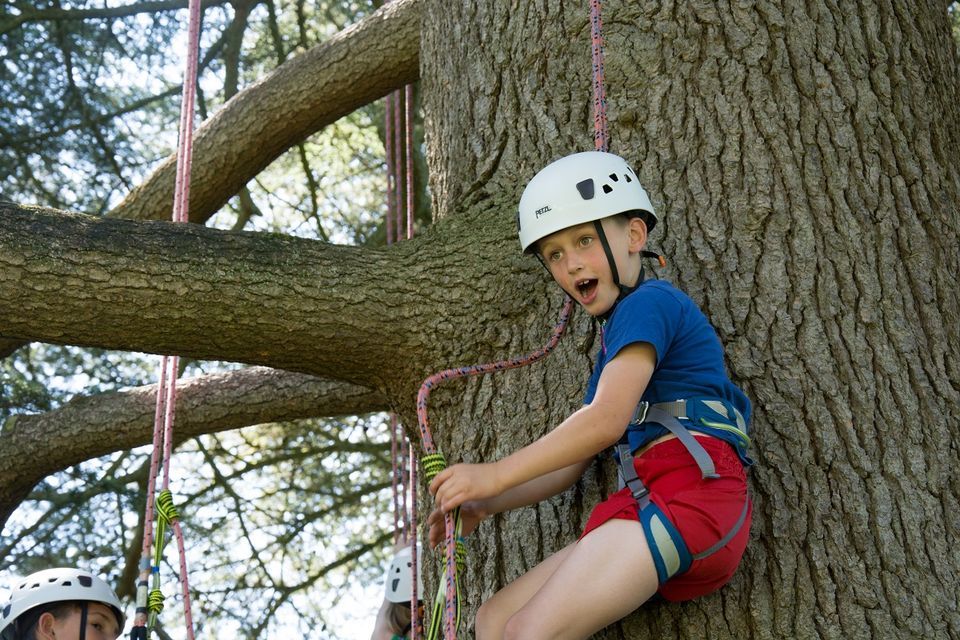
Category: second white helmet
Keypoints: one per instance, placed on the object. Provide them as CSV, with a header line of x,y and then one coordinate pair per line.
x,y
55,585
399,578
582,187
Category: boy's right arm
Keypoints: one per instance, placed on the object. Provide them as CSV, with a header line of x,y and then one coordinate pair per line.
x,y
530,492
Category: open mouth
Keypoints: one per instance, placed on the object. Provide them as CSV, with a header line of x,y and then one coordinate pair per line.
x,y
586,287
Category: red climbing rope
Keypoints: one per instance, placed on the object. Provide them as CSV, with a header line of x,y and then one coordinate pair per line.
x,y
167,385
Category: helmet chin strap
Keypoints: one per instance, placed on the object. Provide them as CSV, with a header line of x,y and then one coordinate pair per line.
x,y
623,289
83,620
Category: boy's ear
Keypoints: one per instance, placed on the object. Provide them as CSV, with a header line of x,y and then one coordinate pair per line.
x,y
637,229
45,624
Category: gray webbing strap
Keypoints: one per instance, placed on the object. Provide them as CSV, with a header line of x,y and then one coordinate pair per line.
x,y
727,538
700,455
628,475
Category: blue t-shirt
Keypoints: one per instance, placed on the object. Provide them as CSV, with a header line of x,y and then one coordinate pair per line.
x,y
689,354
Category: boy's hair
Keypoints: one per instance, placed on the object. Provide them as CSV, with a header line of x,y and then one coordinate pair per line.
x,y
26,624
399,618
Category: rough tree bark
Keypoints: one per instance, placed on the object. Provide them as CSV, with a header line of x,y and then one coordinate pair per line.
x,y
801,157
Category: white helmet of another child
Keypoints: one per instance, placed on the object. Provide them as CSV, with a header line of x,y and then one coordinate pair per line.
x,y
579,188
55,585
399,578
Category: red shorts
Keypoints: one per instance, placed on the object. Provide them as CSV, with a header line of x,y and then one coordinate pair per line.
x,y
702,510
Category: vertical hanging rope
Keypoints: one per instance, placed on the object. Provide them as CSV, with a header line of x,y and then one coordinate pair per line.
x,y
150,605
433,461
398,134
408,93
394,456
600,138
398,138
391,167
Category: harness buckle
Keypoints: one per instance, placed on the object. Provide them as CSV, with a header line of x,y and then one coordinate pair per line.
x,y
640,413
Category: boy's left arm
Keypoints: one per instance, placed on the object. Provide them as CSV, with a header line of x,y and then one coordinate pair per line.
x,y
587,432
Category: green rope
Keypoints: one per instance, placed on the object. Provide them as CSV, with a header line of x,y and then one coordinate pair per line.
x,y
167,514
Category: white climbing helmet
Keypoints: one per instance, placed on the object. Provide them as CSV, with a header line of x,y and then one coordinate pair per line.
x,y
579,188
399,577
56,585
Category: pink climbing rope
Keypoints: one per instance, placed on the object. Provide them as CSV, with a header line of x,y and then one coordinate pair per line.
x,y
600,137
169,368
391,168
408,124
423,397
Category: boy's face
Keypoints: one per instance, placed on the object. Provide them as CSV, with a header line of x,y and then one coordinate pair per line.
x,y
101,624
578,263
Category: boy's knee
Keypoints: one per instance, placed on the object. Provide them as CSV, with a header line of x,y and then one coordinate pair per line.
x,y
520,626
489,621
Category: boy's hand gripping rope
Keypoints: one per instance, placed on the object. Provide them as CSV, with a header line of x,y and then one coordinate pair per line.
x,y
433,463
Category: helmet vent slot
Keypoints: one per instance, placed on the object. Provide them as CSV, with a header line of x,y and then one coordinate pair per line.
x,y
585,187
614,177
85,581
627,176
607,188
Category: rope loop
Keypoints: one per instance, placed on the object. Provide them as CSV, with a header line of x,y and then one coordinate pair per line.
x,y
166,509
433,464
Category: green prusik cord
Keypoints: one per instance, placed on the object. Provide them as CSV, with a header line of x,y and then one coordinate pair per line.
x,y
433,464
167,514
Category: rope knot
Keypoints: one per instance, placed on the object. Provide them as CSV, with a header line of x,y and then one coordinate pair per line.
x,y
433,464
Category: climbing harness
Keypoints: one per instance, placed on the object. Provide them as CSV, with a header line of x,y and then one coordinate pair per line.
x,y
708,415
150,605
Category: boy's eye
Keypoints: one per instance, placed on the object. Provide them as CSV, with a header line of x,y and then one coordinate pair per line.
x,y
553,256
585,241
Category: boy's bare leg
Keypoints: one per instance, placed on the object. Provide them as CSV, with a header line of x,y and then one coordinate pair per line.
x,y
494,613
601,579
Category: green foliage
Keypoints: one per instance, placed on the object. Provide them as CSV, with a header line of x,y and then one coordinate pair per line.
x,y
279,521
67,117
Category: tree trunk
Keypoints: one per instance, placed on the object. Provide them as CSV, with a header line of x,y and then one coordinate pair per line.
x,y
802,159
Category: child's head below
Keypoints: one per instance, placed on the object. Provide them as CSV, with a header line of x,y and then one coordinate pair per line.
x,y
64,604
398,590
587,216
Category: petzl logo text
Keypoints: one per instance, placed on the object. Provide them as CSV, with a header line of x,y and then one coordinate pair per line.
x,y
542,210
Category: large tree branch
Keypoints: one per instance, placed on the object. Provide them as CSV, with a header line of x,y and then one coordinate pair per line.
x,y
32,447
290,303
351,69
